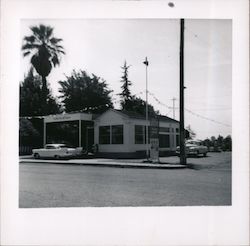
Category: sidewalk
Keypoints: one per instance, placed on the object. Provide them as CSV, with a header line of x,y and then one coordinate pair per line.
x,y
213,160
130,163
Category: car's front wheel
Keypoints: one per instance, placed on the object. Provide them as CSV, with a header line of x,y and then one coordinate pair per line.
x,y
37,156
57,157
197,153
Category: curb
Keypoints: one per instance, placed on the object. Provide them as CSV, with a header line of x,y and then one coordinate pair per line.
x,y
199,167
195,166
107,164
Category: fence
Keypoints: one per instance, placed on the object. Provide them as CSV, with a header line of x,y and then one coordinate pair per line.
x,y
25,150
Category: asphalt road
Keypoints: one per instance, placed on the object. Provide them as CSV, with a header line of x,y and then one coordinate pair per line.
x,y
56,185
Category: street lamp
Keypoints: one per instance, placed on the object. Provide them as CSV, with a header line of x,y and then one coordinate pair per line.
x,y
147,147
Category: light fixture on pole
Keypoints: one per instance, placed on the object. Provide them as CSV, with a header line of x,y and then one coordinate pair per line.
x,y
147,147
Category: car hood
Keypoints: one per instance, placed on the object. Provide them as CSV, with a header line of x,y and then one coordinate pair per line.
x,y
192,145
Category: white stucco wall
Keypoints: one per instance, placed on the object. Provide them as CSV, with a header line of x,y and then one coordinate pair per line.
x,y
115,118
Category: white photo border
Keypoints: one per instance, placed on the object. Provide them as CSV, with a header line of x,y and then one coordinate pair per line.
x,y
198,225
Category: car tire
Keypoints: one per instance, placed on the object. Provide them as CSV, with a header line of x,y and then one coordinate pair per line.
x,y
197,153
36,156
205,154
57,157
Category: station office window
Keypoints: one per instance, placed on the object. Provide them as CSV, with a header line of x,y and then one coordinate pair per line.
x,y
177,140
104,135
117,134
111,134
164,141
139,134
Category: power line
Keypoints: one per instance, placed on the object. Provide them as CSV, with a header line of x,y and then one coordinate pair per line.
x,y
83,110
31,117
158,101
150,93
189,111
205,118
139,93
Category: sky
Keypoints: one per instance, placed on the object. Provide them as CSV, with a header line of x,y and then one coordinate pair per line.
x,y
101,46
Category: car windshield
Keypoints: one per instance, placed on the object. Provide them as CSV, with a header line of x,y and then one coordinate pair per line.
x,y
194,142
50,147
65,146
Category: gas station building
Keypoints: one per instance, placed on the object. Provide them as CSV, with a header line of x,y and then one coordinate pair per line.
x,y
115,133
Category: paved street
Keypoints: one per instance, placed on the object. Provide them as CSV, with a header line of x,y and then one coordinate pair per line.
x,y
58,185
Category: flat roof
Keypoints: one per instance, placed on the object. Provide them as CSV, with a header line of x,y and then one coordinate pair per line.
x,y
68,117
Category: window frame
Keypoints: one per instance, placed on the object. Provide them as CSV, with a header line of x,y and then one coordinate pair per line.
x,y
115,135
105,135
142,134
109,135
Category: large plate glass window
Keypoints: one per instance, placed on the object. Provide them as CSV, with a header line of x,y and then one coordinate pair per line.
x,y
164,141
139,134
177,140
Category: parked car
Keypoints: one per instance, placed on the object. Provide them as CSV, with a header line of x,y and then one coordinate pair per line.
x,y
194,147
215,149
56,151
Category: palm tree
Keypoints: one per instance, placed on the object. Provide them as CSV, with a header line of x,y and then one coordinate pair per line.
x,y
45,51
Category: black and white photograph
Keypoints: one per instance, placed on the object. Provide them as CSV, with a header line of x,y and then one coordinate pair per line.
x,y
125,113
124,123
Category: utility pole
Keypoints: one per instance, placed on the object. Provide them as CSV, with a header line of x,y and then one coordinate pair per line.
x,y
174,107
147,149
182,87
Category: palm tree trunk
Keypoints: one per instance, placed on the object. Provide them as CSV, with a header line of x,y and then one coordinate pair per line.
x,y
44,96
44,85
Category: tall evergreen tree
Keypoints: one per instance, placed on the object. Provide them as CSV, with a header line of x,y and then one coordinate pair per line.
x,y
126,93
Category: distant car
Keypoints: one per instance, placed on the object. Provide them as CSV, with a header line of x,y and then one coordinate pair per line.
x,y
56,151
194,147
215,149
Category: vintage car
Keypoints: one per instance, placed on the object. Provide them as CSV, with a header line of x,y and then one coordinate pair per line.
x,y
56,151
194,147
